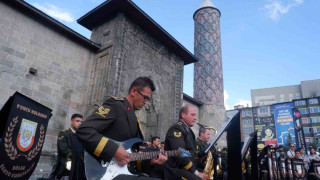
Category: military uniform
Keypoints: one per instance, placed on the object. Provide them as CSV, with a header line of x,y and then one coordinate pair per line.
x,y
201,155
180,135
64,145
116,120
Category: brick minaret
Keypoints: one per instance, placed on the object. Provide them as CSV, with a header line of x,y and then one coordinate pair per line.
x,y
208,76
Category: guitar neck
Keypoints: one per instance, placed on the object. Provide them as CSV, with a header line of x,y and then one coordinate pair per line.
x,y
151,155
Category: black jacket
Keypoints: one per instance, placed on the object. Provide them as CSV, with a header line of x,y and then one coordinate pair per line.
x,y
64,152
115,120
180,135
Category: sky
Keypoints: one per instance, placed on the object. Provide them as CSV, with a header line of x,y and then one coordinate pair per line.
x,y
265,43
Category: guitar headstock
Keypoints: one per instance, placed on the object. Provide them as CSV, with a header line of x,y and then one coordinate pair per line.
x,y
184,153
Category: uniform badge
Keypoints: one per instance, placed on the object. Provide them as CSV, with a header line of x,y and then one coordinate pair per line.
x,y
177,134
103,111
179,123
60,138
26,135
128,108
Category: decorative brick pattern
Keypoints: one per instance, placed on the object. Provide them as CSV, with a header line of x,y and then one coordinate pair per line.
x,y
208,76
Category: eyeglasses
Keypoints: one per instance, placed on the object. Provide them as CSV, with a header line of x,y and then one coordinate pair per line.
x,y
146,98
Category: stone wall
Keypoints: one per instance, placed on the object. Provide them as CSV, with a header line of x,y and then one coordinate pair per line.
x,y
63,66
129,52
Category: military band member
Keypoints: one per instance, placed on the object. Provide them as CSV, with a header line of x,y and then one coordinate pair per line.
x,y
116,119
202,144
155,144
64,145
181,135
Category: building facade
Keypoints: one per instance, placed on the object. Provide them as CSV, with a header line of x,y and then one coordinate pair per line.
x,y
267,96
310,114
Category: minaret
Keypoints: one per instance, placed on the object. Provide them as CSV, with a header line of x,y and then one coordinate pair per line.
x,y
208,77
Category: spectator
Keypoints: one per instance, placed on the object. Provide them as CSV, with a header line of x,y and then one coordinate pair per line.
x,y
280,152
162,146
291,152
313,155
305,158
297,154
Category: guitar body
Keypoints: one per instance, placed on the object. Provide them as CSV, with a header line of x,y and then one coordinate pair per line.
x,y
95,170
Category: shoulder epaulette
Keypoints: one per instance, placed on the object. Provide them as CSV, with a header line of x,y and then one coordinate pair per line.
x,y
179,123
117,98
65,130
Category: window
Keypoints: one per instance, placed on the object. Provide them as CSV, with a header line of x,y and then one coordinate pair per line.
x,y
247,130
316,131
246,112
315,119
247,121
304,111
263,110
306,121
314,109
306,130
313,101
300,103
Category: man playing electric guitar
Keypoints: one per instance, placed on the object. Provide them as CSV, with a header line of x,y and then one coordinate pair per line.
x,y
116,120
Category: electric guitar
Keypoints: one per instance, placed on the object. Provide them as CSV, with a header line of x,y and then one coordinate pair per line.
x,y
96,170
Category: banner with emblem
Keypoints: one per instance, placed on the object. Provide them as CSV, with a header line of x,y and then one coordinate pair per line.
x,y
23,127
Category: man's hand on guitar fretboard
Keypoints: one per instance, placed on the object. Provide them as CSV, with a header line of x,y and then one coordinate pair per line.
x,y
122,156
161,159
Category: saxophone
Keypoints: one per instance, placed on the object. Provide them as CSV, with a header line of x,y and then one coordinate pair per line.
x,y
208,168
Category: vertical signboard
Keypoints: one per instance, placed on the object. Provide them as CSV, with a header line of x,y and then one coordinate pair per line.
x,y
264,125
284,124
299,129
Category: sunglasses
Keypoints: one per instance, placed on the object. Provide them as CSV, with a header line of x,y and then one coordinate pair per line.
x,y
291,146
146,98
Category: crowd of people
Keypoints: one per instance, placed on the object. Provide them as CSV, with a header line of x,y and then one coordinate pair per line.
x,y
285,160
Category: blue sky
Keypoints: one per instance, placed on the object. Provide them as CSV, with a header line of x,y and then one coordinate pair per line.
x,y
265,43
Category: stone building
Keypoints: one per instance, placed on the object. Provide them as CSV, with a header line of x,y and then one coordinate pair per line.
x,y
75,73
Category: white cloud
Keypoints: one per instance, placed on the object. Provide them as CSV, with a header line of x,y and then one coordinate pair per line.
x,y
226,97
54,12
276,7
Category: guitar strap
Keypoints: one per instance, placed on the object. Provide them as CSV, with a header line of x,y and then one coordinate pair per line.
x,y
139,127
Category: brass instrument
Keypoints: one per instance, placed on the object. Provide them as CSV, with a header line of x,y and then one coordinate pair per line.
x,y
208,169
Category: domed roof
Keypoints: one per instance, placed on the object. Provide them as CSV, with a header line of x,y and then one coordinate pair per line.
x,y
206,3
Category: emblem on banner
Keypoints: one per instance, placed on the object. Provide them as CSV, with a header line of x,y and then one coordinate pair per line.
x,y
26,135
299,169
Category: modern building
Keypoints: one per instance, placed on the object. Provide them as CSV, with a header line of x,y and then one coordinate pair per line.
x,y
267,96
310,114
246,122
